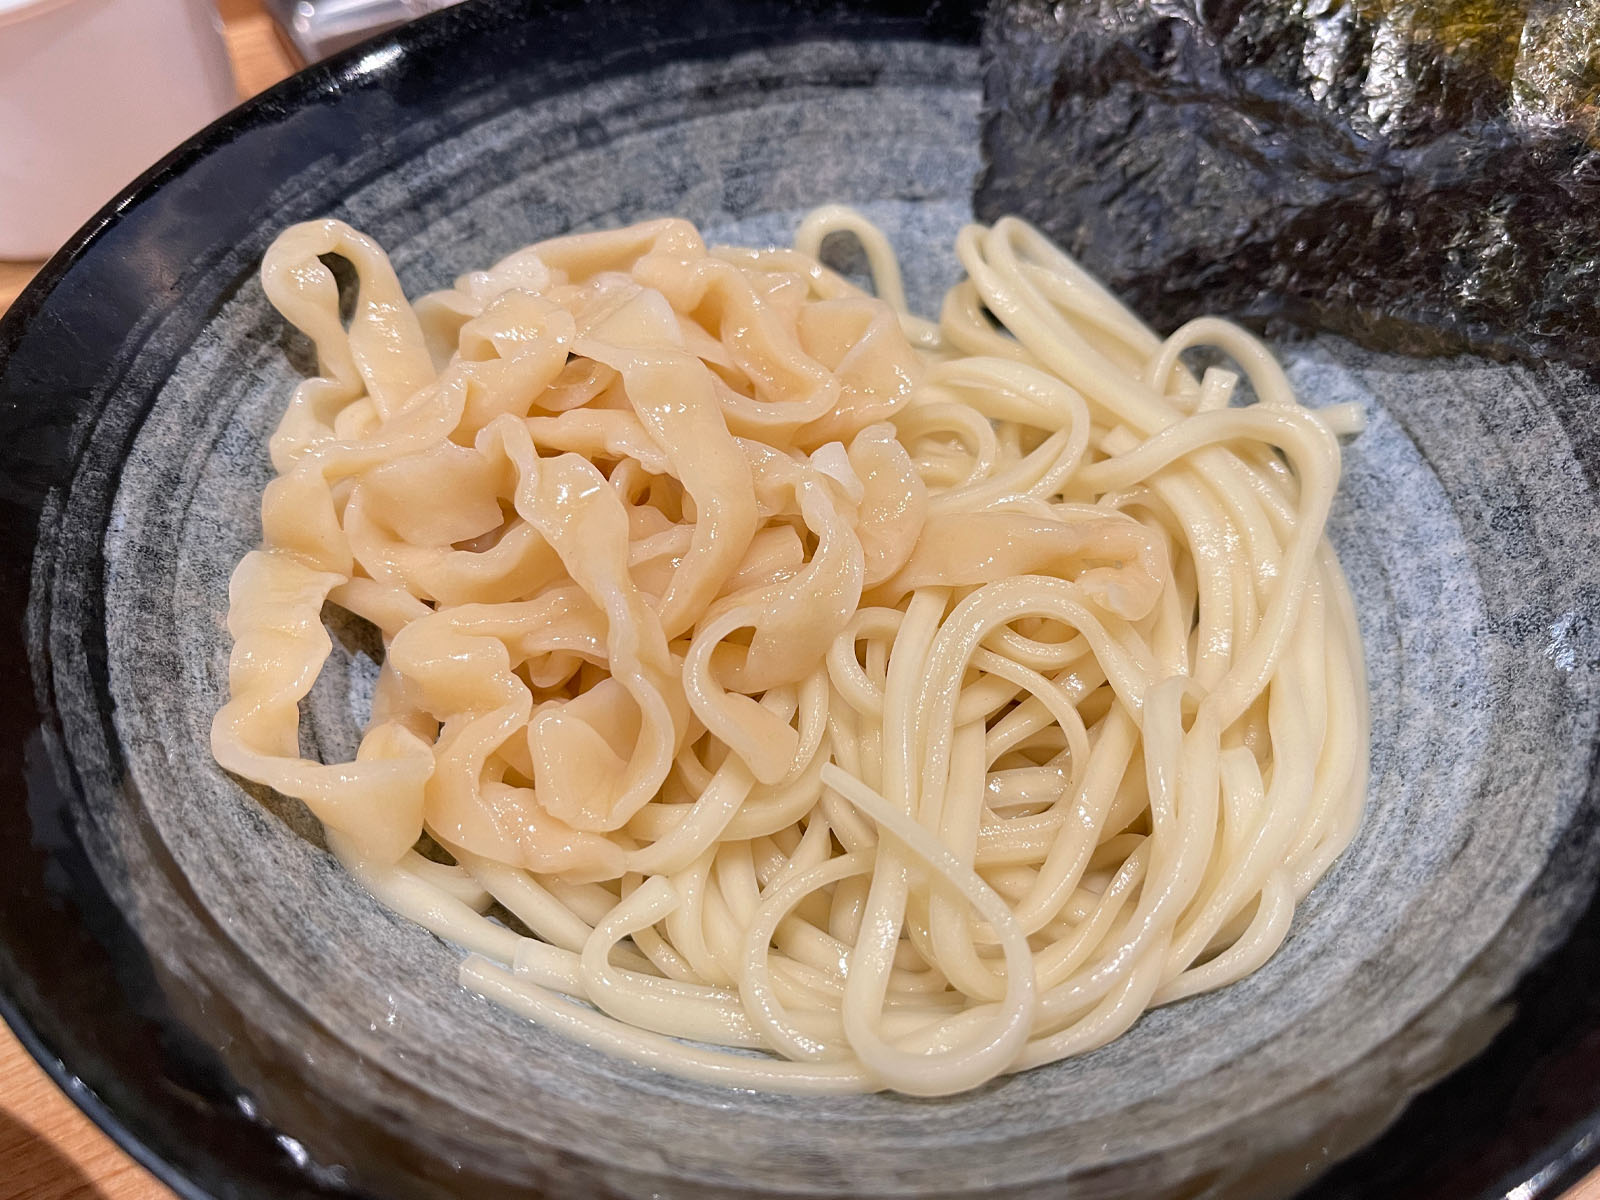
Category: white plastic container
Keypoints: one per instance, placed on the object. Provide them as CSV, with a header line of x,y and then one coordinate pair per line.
x,y
91,93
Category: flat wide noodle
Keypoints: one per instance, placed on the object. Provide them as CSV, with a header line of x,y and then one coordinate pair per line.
x,y
768,667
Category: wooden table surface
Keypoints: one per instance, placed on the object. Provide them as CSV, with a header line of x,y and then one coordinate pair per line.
x,y
48,1149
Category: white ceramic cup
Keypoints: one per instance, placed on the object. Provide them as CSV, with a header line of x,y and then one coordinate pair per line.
x,y
91,93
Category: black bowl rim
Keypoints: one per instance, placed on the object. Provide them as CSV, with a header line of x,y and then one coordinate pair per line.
x,y
1545,1167
330,74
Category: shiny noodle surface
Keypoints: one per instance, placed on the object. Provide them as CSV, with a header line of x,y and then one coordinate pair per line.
x,y
786,690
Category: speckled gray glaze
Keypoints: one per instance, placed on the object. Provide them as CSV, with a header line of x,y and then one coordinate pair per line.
x,y
1469,532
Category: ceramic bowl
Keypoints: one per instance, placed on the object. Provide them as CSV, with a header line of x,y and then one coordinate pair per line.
x,y
185,957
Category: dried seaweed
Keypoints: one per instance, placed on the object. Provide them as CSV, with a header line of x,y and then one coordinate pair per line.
x,y
1419,176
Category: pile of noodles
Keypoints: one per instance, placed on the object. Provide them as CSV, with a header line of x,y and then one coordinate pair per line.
x,y
769,669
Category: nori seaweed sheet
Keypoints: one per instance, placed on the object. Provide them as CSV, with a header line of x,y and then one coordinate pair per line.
x,y
1421,177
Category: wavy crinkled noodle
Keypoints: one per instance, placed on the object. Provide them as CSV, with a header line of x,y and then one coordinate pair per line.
x,y
769,669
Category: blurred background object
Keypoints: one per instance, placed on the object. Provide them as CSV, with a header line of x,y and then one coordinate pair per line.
x,y
260,54
94,91
260,57
318,28
91,93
